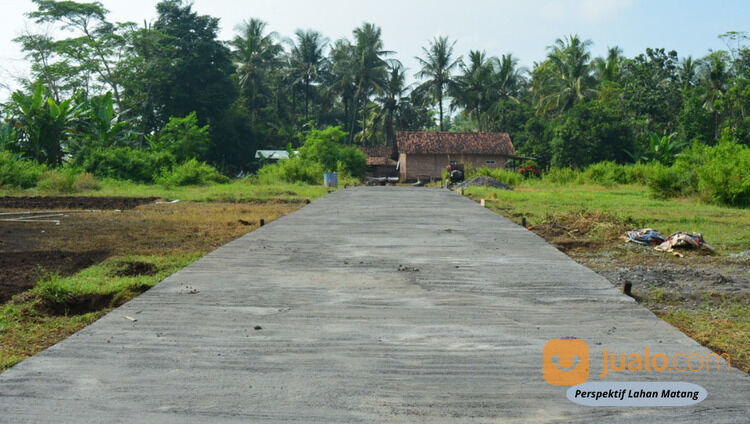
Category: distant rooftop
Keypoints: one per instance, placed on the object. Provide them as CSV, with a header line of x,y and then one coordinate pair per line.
x,y
421,142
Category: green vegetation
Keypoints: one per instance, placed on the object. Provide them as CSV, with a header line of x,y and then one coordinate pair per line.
x,y
727,229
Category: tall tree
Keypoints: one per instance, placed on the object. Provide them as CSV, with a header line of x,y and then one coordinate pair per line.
x,y
370,68
609,68
437,65
394,94
307,60
199,78
256,53
473,87
87,60
570,78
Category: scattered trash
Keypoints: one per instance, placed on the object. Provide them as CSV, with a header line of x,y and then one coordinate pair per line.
x,y
645,237
257,327
243,222
483,181
129,318
170,201
651,237
684,239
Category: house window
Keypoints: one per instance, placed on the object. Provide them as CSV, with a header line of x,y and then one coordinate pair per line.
x,y
490,162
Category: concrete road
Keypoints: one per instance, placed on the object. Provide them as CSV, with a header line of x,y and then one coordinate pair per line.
x,y
371,305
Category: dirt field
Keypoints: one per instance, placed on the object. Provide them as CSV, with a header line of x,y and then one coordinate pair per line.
x,y
31,250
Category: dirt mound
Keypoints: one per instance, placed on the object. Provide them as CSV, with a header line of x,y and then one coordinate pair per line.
x,y
73,202
483,181
21,270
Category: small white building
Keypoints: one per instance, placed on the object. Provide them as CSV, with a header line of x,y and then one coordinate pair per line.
x,y
273,154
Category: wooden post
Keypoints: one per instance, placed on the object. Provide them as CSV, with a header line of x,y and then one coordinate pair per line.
x,y
262,222
523,222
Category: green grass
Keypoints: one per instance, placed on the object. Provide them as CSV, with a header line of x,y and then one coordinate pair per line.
x,y
725,328
725,228
240,190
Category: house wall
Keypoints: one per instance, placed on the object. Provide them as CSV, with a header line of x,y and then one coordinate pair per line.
x,y
414,166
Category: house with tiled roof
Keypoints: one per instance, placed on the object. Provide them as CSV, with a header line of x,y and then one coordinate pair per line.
x,y
381,160
424,155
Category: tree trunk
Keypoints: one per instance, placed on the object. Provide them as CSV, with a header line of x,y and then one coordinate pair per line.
x,y
440,105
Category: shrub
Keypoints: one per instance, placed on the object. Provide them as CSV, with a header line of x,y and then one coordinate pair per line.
x,y
724,176
605,173
508,177
561,176
57,181
664,181
183,138
86,181
292,170
20,173
191,172
325,147
125,163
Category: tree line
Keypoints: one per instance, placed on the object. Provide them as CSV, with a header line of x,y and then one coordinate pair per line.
x,y
173,86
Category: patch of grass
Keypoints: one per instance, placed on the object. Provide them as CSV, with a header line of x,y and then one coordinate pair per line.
x,y
725,228
723,329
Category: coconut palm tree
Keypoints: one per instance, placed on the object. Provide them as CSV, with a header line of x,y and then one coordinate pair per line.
x,y
437,65
371,70
508,82
394,93
307,60
472,89
608,69
255,54
688,71
569,79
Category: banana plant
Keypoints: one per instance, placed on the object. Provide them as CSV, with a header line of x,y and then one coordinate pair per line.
x,y
44,126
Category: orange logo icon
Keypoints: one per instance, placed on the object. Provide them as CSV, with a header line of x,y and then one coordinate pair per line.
x,y
566,362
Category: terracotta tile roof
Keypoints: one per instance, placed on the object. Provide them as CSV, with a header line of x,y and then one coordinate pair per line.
x,y
378,151
454,143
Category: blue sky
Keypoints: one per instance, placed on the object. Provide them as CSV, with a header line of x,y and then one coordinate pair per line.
x,y
523,28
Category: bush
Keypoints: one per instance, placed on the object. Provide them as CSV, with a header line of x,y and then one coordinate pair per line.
x,y
183,138
292,170
561,176
191,172
325,147
57,181
125,163
508,177
86,181
724,176
19,173
666,181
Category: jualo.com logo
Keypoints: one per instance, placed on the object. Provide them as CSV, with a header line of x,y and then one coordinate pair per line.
x,y
567,362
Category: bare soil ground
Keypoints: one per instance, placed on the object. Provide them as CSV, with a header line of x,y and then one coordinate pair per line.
x,y
73,202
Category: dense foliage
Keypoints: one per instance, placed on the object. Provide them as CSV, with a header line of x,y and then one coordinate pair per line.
x,y
169,91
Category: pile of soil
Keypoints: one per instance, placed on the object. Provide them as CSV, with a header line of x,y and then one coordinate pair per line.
x,y
21,270
73,202
483,181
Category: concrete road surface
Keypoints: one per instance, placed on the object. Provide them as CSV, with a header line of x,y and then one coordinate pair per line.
x,y
369,305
